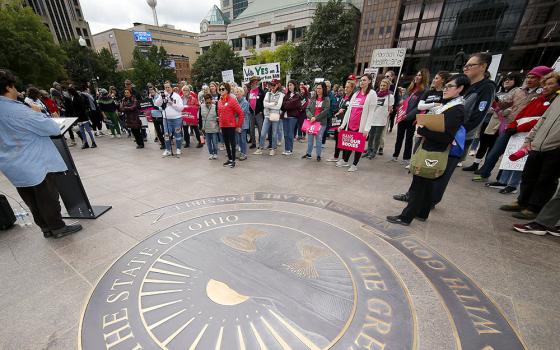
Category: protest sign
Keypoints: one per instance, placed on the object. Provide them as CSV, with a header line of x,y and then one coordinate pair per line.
x,y
514,144
351,141
388,57
227,76
265,71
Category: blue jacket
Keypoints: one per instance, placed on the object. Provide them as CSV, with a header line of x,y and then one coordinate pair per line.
x,y
27,153
246,111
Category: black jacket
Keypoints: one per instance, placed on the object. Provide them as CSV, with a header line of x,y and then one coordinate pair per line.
x,y
439,141
79,108
478,99
412,108
259,108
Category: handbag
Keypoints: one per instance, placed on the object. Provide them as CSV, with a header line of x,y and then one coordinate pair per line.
x,y
429,164
274,116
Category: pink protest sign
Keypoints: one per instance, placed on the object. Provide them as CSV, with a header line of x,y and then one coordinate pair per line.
x,y
351,140
311,128
190,115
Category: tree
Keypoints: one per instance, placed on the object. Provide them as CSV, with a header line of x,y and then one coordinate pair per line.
x,y
209,66
285,54
28,48
151,67
329,44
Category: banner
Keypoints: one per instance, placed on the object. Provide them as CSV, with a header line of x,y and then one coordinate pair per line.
x,y
388,57
515,143
190,115
372,71
265,71
351,141
227,76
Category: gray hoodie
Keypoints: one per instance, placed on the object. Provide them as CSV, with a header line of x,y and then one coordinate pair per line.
x,y
545,135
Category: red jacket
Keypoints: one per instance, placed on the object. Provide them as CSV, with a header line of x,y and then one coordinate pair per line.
x,y
227,110
535,108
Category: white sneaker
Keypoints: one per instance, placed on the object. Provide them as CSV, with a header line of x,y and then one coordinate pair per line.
x,y
472,153
288,153
112,136
272,152
407,166
258,151
178,152
211,157
166,153
342,163
215,156
460,165
352,168
279,143
119,136
332,160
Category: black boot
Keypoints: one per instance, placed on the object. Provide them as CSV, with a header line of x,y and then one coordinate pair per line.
x,y
85,145
473,167
93,145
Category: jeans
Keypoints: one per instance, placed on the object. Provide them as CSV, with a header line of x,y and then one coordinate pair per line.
x,y
374,140
289,125
212,142
266,126
229,140
86,127
280,135
173,128
511,178
492,157
256,120
242,140
318,141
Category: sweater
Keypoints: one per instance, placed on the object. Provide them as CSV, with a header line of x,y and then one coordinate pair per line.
x,y
368,112
174,105
321,117
545,135
292,104
230,113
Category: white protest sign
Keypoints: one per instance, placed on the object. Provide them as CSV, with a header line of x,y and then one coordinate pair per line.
x,y
514,144
319,80
556,65
493,69
388,57
265,71
227,76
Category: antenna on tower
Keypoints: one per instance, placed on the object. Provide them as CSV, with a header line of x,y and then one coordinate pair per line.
x,y
153,4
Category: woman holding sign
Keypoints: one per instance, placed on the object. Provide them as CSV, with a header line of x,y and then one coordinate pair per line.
x,y
357,120
430,160
317,112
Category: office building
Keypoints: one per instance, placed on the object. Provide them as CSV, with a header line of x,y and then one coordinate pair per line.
x,y
64,18
440,34
181,46
264,25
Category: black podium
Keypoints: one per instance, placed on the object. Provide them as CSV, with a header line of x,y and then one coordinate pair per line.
x,y
69,184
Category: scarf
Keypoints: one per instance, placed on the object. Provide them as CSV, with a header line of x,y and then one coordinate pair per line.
x,y
382,93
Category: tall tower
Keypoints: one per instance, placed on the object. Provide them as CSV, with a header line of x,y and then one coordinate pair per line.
x,y
153,4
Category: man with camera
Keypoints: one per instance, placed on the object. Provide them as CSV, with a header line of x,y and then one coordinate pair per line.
x,y
172,106
30,160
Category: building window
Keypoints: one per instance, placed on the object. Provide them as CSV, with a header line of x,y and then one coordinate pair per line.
x,y
239,6
225,3
281,37
250,42
236,44
381,32
428,29
432,10
412,12
388,30
298,34
408,30
424,45
265,40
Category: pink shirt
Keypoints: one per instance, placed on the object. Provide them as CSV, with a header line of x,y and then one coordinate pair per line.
x,y
356,111
318,106
253,95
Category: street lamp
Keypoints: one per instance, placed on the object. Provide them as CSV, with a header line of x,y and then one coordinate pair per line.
x,y
83,44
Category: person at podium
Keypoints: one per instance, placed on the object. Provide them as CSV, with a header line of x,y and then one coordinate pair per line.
x,y
30,160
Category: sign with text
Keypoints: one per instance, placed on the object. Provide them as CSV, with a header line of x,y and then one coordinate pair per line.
x,y
388,57
372,71
227,76
514,144
265,71
351,141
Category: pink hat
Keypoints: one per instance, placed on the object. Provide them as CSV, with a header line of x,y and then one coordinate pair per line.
x,y
540,71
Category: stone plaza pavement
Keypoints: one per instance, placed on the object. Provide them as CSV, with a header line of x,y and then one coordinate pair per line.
x,y
45,283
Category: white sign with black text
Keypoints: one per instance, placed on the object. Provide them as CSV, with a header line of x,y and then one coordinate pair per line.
x,y
388,57
227,76
265,71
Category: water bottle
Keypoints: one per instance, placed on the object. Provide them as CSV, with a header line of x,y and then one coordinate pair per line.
x,y
19,218
26,218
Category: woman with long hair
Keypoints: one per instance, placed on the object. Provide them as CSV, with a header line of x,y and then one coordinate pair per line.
x,y
272,104
358,117
385,102
343,106
421,190
405,127
129,106
302,115
230,119
190,100
317,111
291,107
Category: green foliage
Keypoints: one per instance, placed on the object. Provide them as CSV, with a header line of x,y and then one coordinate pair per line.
x,y
286,54
151,67
84,64
329,43
209,66
28,48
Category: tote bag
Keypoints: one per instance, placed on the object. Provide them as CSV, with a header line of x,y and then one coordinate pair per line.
x,y
311,128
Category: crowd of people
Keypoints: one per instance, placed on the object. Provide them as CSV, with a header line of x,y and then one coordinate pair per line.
x,y
475,116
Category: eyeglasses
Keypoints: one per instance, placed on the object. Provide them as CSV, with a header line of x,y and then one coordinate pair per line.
x,y
470,65
388,76
222,89
449,86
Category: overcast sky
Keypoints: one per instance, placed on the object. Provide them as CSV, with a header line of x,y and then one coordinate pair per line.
x,y
107,14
